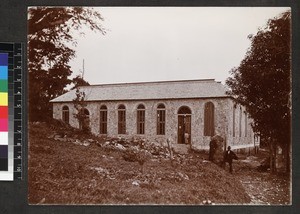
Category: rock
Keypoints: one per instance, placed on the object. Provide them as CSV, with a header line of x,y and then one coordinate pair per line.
x,y
218,152
77,142
61,139
183,176
106,144
85,143
57,136
120,147
207,202
135,183
51,136
101,170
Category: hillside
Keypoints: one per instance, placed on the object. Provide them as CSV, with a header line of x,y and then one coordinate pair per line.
x,y
66,167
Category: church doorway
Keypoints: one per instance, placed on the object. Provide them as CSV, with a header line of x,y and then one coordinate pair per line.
x,y
184,125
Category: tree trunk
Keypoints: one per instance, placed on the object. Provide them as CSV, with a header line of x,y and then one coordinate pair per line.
x,y
273,151
170,150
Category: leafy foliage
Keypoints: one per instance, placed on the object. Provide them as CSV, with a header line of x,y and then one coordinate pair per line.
x,y
262,82
80,104
79,81
51,33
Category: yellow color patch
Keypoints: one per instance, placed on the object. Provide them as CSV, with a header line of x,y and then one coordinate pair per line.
x,y
3,99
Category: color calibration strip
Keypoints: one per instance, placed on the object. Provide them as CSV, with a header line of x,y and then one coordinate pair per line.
x,y
10,124
4,113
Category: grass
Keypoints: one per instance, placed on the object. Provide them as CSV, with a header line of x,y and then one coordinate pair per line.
x,y
66,173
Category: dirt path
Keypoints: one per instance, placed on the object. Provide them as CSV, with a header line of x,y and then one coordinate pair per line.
x,y
262,187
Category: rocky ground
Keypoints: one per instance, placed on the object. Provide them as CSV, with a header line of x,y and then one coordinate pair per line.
x,y
262,187
69,167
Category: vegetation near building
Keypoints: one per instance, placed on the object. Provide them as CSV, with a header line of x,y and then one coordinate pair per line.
x,y
262,83
51,40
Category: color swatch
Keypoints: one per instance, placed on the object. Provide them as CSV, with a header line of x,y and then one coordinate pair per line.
x,y
3,112
11,100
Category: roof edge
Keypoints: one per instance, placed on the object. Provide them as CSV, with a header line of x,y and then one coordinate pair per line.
x,y
153,82
220,97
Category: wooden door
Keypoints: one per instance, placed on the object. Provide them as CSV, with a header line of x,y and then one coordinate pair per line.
x,y
184,129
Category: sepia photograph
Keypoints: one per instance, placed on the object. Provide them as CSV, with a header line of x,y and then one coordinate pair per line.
x,y
159,105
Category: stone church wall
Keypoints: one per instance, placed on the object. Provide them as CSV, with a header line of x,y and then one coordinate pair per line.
x,y
223,119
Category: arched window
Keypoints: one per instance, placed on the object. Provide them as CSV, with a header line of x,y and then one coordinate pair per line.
x,y
141,119
121,119
209,119
161,119
240,122
103,119
65,114
84,123
233,121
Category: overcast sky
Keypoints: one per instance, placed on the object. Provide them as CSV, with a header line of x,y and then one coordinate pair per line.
x,y
168,43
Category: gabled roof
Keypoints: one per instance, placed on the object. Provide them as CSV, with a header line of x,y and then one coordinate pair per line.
x,y
205,88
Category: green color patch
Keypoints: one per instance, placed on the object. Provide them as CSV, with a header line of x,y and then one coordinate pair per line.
x,y
3,85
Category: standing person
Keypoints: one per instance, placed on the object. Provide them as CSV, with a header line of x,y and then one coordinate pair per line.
x,y
186,138
228,157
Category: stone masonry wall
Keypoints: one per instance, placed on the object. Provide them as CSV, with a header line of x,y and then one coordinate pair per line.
x,y
223,119
241,134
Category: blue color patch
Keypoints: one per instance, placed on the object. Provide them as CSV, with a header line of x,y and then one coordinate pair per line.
x,y
4,59
3,72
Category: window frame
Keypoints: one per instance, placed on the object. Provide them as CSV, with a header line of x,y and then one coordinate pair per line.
x,y
103,119
161,120
140,119
240,122
66,114
209,119
233,121
121,119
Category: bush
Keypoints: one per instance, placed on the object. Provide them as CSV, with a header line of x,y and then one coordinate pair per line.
x,y
134,154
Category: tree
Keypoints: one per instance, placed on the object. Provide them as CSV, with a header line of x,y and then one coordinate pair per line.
x,y
50,40
79,104
262,83
79,81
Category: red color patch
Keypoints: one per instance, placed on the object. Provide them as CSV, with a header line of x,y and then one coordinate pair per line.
x,y
3,112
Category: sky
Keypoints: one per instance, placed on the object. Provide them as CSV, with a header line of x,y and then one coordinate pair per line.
x,y
145,44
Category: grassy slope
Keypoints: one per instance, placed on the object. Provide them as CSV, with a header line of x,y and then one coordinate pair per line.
x,y
65,173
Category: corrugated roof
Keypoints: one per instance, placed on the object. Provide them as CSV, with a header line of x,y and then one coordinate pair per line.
x,y
149,90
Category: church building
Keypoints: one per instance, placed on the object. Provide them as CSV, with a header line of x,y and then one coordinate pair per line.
x,y
186,112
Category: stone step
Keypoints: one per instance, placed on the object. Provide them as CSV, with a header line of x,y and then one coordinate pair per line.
x,y
181,148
